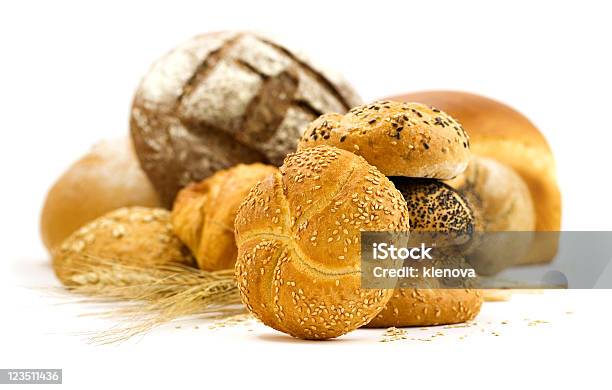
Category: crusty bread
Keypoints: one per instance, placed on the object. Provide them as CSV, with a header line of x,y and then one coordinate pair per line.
x,y
503,203
220,99
498,193
298,236
433,207
131,236
203,214
400,139
499,132
105,179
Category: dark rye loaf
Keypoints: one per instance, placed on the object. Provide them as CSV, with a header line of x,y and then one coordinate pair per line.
x,y
225,98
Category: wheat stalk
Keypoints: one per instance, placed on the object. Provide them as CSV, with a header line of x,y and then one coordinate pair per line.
x,y
156,294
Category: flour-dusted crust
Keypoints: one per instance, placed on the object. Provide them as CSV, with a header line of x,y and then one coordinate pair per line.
x,y
224,98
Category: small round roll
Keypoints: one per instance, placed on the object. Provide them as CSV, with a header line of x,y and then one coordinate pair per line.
x,y
400,139
103,180
131,236
299,242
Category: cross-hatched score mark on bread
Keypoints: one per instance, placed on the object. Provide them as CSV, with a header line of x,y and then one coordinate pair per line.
x,y
225,98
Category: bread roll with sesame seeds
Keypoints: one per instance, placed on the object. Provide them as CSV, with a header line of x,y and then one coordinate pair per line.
x,y
500,132
400,139
433,207
204,213
131,236
106,178
225,98
429,307
298,236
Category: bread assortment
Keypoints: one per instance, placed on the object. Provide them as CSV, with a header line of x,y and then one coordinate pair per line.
x,y
442,151
298,236
501,133
433,207
210,124
106,178
225,98
203,214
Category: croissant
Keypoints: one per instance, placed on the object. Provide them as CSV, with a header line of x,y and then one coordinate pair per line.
x,y
203,214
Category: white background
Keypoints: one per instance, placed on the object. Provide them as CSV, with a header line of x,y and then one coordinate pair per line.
x,y
67,74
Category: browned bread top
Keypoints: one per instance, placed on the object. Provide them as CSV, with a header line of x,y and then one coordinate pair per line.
x,y
106,178
400,139
502,133
499,132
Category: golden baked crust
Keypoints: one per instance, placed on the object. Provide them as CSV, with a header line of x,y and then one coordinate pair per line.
x,y
400,139
132,235
298,236
499,132
433,207
428,307
204,213
106,178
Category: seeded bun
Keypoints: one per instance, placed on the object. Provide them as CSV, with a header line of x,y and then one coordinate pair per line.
x,y
400,139
225,98
499,132
203,214
433,207
429,307
298,236
106,178
131,236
